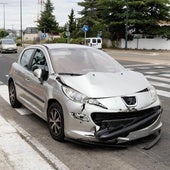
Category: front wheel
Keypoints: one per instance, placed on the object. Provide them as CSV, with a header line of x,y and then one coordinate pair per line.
x,y
56,121
12,96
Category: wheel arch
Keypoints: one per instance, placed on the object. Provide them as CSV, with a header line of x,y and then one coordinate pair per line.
x,y
50,101
10,80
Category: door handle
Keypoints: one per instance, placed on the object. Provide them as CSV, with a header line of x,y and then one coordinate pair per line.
x,y
27,79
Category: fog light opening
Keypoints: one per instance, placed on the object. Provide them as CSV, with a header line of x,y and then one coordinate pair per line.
x,y
81,116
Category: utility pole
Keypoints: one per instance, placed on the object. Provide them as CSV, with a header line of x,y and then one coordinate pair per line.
x,y
126,26
4,13
21,20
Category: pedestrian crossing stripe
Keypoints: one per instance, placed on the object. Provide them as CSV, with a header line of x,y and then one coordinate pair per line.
x,y
165,75
142,65
159,84
150,72
158,78
163,93
160,67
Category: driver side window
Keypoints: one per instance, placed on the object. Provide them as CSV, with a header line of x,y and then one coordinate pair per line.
x,y
26,57
39,62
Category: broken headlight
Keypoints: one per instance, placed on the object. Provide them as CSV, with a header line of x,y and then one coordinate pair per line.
x,y
79,97
74,95
153,93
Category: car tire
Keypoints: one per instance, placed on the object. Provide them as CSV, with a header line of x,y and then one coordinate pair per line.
x,y
55,121
13,96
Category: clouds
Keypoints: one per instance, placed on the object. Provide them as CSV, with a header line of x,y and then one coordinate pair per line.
x,y
31,10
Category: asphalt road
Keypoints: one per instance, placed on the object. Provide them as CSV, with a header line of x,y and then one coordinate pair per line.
x,y
77,156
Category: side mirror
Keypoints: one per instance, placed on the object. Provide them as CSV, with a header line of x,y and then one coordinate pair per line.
x,y
38,73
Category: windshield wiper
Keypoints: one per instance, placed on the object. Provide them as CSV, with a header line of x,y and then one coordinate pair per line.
x,y
70,74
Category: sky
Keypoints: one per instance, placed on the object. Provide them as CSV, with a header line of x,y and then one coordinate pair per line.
x,y
31,10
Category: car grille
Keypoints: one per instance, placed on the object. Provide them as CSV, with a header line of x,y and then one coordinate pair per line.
x,y
123,119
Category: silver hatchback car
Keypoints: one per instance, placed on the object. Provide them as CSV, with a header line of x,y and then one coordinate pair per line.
x,y
8,45
84,94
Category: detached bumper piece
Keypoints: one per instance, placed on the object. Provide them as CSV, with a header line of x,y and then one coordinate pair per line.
x,y
113,125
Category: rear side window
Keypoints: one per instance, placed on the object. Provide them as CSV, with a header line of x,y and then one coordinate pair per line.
x,y
98,40
94,41
26,57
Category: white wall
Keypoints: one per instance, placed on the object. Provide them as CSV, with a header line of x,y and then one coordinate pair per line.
x,y
156,43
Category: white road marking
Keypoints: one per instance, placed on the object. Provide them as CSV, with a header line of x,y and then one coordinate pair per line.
x,y
139,65
158,78
159,84
163,93
159,67
150,72
143,68
165,75
4,93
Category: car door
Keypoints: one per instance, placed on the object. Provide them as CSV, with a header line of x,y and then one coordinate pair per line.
x,y
0,45
36,91
20,72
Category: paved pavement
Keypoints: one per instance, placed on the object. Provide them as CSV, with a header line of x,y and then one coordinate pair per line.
x,y
16,153
148,56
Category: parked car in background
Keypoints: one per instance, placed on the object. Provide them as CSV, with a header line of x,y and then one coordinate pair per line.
x,y
84,94
8,45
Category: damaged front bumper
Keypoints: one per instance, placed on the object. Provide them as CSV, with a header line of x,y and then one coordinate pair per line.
x,y
131,128
111,127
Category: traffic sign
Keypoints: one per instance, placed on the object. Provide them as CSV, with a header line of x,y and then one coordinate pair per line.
x,y
85,28
44,35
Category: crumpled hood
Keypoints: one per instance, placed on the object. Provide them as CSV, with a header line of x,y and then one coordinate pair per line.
x,y
99,84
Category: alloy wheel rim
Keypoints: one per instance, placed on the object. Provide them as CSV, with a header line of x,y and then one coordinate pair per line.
x,y
12,94
55,121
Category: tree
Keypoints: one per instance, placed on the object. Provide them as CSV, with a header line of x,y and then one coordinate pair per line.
x,y
47,22
143,16
3,33
90,16
72,23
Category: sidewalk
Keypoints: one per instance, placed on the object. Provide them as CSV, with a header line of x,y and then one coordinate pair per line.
x,y
144,56
16,153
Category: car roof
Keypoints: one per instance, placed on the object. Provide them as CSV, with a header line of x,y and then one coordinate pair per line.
x,y
7,39
64,45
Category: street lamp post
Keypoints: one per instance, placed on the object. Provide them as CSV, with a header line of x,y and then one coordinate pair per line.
x,y
21,20
4,13
126,26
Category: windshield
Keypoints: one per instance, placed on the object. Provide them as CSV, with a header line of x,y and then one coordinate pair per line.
x,y
8,41
83,61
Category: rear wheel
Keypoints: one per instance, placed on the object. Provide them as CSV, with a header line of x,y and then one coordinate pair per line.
x,y
12,96
56,122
